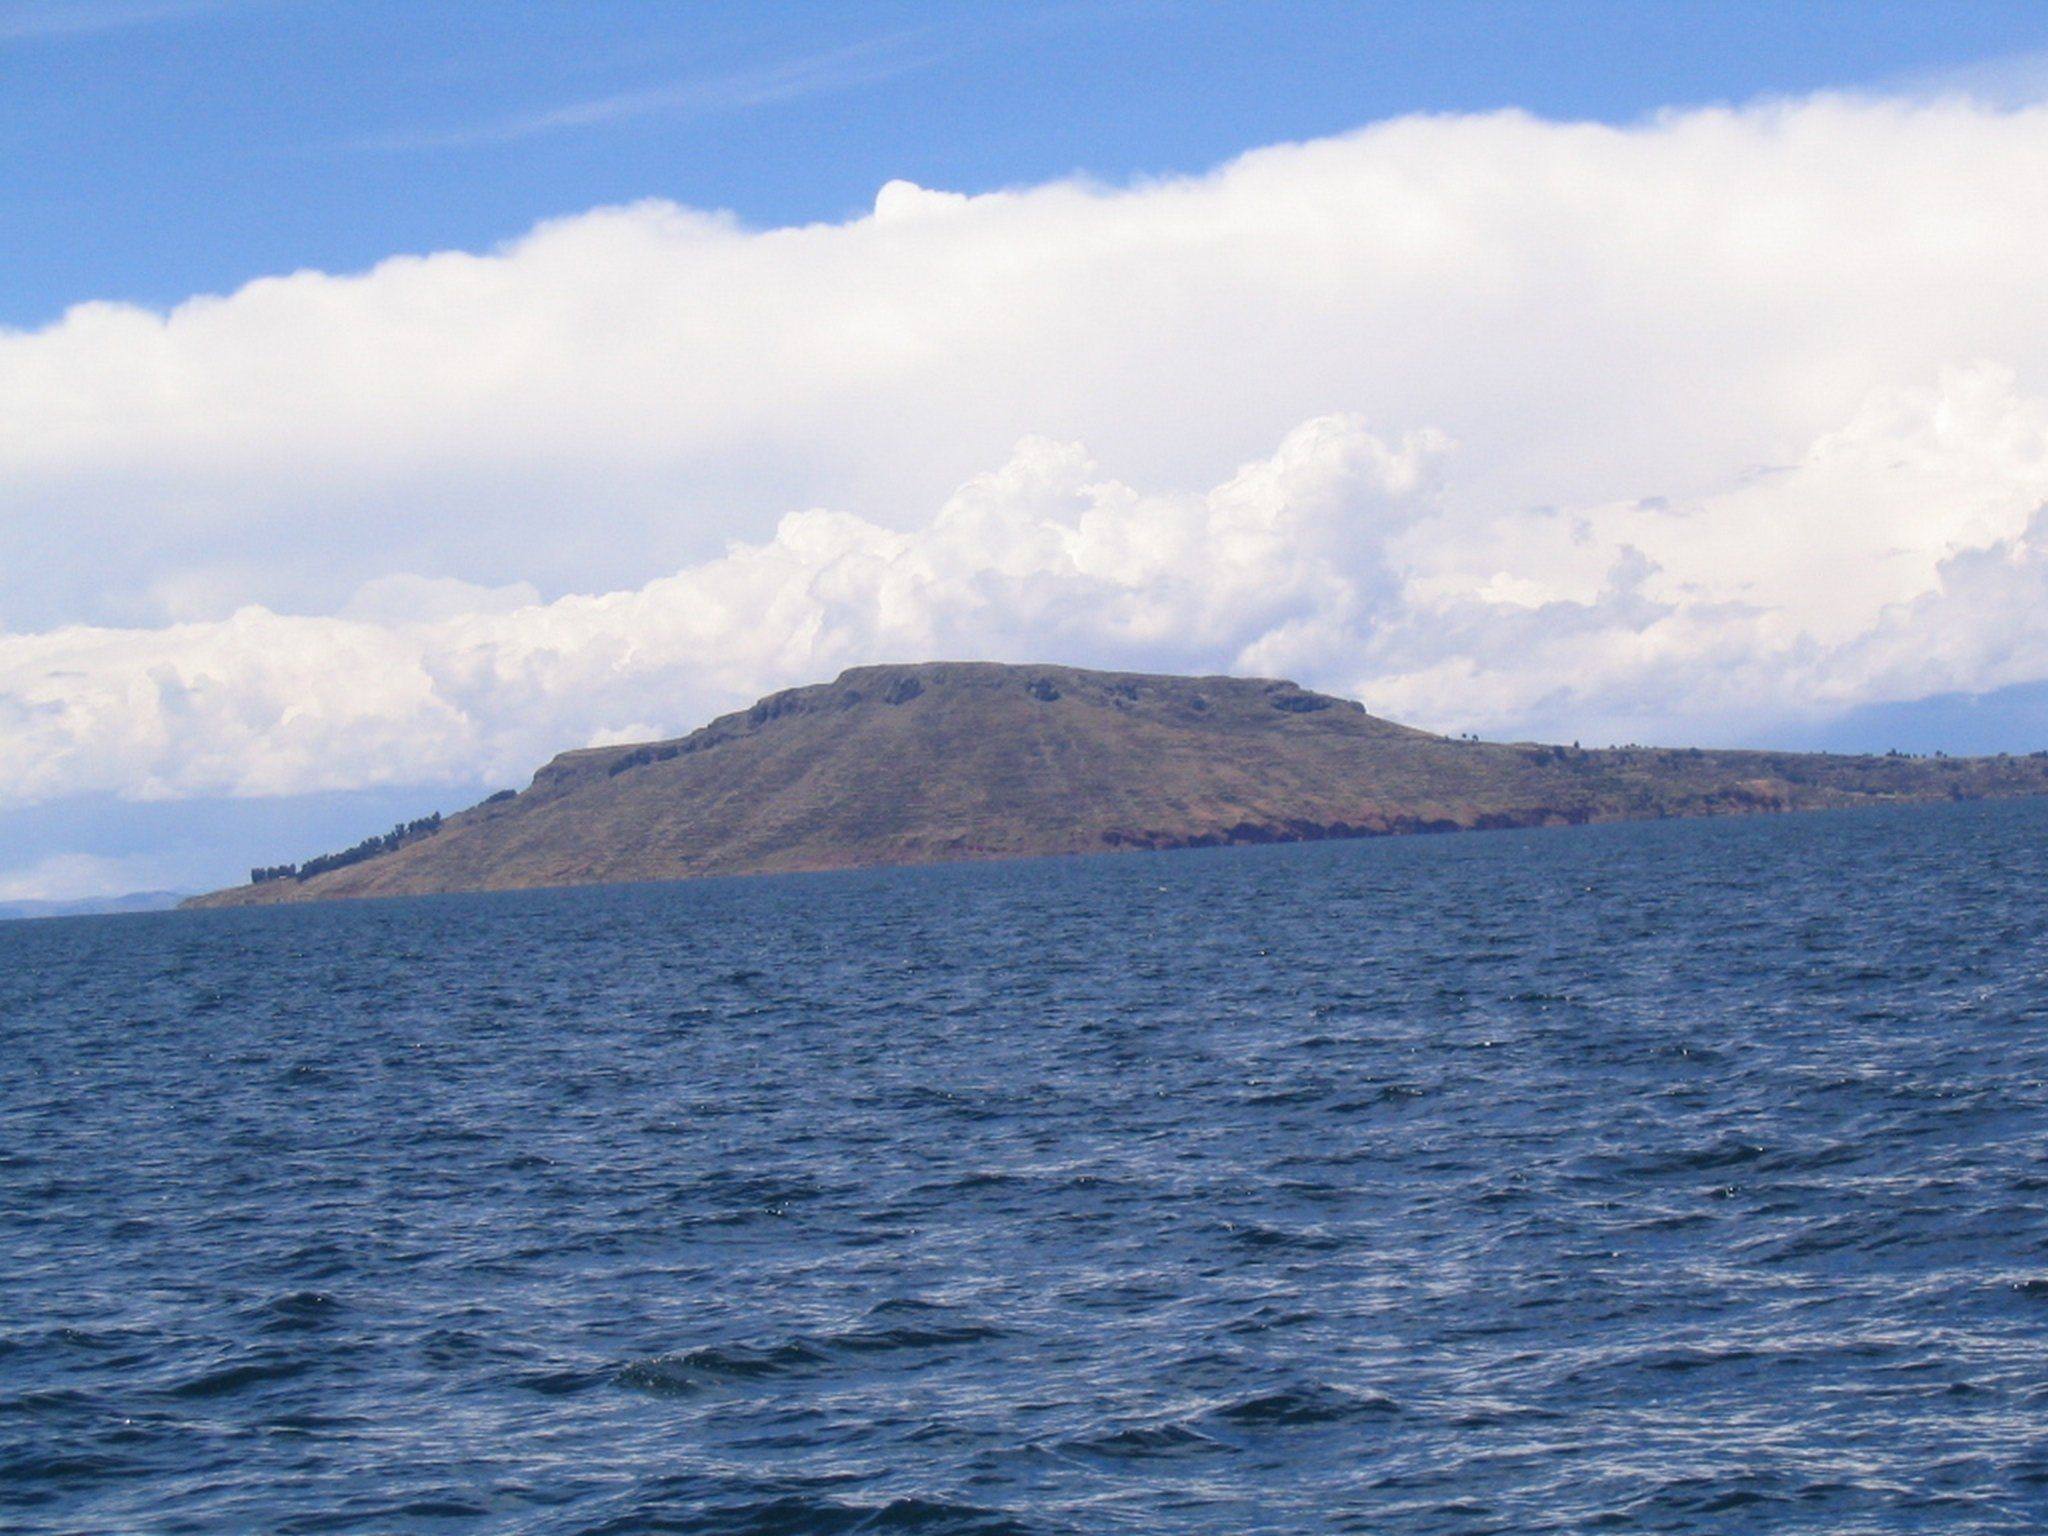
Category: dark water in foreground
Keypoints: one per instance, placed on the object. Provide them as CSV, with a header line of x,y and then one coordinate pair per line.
x,y
1686,1177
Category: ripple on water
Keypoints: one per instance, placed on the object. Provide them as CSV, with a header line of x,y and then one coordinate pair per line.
x,y
1680,1178
1310,1404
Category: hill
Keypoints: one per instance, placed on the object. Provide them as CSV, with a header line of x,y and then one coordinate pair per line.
x,y
975,760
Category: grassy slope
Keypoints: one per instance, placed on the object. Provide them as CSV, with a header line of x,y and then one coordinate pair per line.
x,y
918,764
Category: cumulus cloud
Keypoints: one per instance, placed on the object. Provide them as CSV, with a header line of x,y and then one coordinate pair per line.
x,y
1038,557
1789,594
1746,404
1333,559
1595,312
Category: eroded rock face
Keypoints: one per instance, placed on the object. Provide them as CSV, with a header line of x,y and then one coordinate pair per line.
x,y
968,760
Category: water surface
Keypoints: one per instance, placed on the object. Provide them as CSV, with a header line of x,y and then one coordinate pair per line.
x,y
1689,1177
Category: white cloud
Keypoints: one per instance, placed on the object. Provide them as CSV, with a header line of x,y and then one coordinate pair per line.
x,y
75,876
399,598
2003,80
1039,557
1595,313
41,20
836,69
1747,405
1332,560
1766,600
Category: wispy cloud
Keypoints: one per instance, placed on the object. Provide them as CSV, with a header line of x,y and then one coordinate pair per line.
x,y
38,19
864,63
2008,80
82,877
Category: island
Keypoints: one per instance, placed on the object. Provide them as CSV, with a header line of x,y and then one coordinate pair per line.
x,y
922,764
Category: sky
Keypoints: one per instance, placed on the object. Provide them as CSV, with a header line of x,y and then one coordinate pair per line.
x,y
394,395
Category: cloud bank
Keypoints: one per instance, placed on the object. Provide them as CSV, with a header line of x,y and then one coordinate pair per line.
x,y
1686,429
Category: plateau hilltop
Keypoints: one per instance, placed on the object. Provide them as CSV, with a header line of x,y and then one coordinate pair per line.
x,y
973,760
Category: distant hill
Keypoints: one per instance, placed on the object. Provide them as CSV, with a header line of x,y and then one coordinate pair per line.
x,y
92,906
973,760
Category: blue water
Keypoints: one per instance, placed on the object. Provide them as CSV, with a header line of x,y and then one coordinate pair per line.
x,y
1682,1177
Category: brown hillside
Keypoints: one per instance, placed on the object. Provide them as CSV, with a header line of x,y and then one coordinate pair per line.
x,y
920,764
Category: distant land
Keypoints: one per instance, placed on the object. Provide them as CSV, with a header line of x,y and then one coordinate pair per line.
x,y
92,906
974,760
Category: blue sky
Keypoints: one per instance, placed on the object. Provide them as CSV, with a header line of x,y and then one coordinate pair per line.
x,y
160,148
393,395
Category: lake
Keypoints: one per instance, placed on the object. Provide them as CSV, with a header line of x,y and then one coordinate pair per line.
x,y
1679,1177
